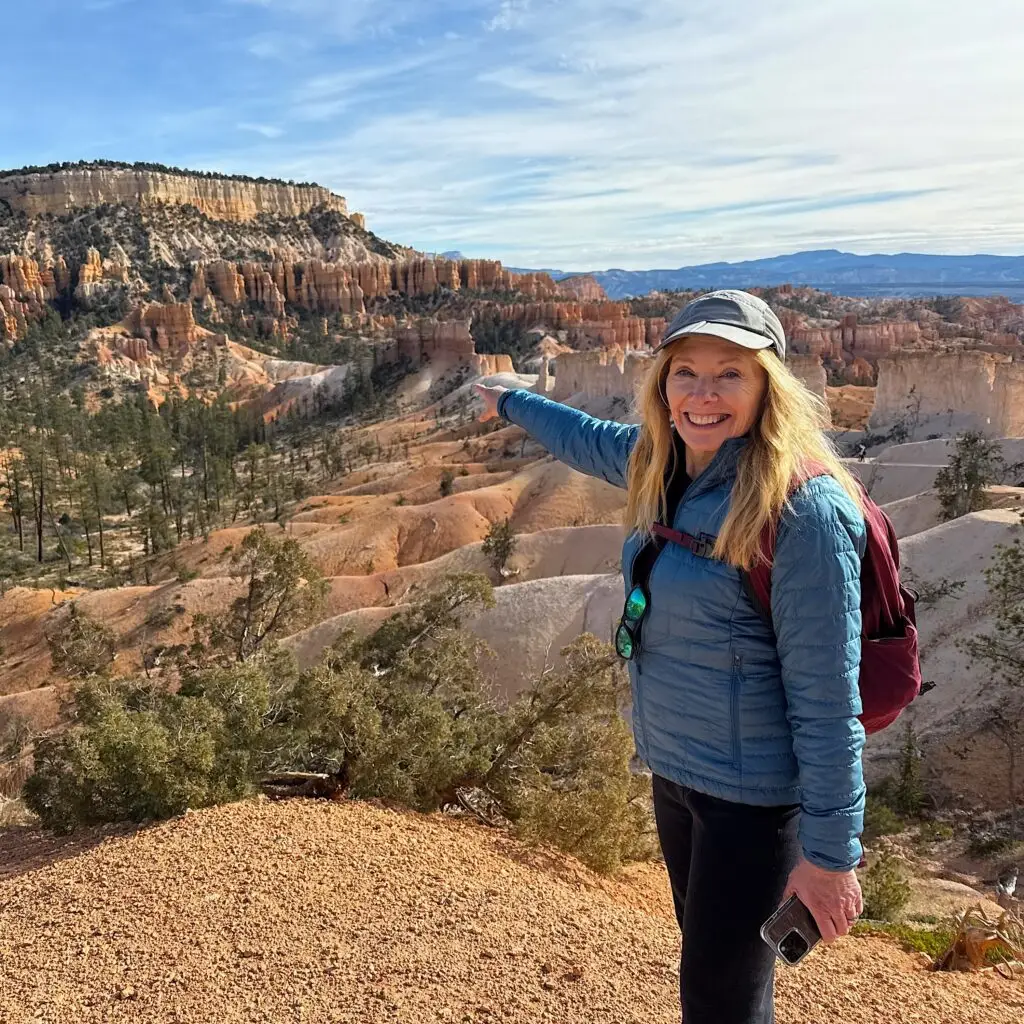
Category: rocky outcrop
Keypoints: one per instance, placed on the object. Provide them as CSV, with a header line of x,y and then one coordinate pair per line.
x,y
489,365
12,316
28,280
25,291
424,276
848,339
584,287
425,339
323,287
96,276
586,325
225,198
860,372
168,330
956,390
604,373
810,372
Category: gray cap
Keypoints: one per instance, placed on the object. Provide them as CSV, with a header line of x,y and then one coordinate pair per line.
x,y
736,316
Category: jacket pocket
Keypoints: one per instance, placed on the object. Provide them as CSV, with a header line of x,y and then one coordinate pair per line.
x,y
734,708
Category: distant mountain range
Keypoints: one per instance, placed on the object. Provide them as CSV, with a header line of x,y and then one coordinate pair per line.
x,y
902,274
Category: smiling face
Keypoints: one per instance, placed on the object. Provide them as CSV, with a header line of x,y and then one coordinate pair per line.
x,y
714,390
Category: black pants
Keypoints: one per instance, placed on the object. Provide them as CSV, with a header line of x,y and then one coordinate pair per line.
x,y
728,864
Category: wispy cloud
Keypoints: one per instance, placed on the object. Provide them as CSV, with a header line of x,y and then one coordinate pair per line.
x,y
583,133
268,131
510,14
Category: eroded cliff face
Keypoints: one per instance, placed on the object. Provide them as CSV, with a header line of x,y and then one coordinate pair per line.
x,y
950,391
97,276
160,345
603,373
168,329
587,325
25,290
809,371
849,340
227,199
344,287
584,286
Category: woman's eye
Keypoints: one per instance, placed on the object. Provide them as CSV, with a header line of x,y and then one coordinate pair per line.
x,y
684,371
730,374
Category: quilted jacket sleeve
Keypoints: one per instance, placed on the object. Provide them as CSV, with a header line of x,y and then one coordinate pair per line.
x,y
597,447
816,613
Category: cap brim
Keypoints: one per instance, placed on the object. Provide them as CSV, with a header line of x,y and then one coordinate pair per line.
x,y
729,332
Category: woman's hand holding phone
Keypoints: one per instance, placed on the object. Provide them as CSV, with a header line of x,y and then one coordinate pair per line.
x,y
833,897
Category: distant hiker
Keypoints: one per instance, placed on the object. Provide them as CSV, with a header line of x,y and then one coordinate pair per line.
x,y
750,727
862,450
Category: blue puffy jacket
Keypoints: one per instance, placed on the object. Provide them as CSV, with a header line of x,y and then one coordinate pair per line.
x,y
721,703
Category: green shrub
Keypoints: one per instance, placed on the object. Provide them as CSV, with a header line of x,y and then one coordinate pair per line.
x,y
931,941
80,646
908,791
161,617
986,843
934,832
138,751
499,544
976,462
885,888
879,818
403,715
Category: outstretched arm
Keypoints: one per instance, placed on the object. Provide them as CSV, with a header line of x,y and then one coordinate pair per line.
x,y
597,447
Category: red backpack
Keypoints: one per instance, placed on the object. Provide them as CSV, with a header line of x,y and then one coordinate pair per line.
x,y
890,672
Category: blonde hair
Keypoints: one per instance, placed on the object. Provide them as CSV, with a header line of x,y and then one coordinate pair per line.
x,y
786,440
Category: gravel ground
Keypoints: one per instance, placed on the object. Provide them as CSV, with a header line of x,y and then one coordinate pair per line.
x,y
314,912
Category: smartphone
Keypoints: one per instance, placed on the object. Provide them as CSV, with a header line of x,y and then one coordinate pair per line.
x,y
791,931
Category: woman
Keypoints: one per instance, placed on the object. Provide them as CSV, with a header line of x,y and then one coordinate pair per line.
x,y
750,728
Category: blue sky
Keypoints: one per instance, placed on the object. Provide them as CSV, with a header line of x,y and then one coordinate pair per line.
x,y
578,134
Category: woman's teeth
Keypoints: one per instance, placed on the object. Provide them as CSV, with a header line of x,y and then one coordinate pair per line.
x,y
706,421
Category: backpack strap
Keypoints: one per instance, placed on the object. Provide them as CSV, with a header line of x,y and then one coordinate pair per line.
x,y
701,547
757,582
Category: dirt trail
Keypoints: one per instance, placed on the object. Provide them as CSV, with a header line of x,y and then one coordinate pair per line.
x,y
315,912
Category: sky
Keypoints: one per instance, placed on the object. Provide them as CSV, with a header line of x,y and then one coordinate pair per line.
x,y
572,134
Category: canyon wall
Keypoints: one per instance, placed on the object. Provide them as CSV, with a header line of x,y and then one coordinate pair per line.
x,y
96,276
603,373
162,338
168,330
867,341
58,192
809,371
25,291
343,287
587,325
951,391
584,287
